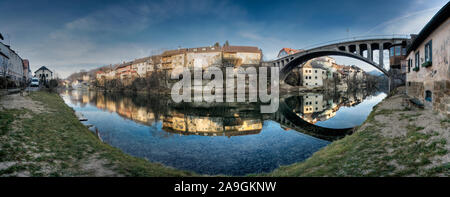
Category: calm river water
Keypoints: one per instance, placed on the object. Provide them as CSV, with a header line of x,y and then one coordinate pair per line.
x,y
231,138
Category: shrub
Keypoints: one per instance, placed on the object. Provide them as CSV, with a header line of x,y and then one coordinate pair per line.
x,y
52,85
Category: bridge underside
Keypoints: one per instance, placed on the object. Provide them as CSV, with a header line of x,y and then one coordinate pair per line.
x,y
362,49
304,57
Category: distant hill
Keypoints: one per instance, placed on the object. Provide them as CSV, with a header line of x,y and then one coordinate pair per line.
x,y
375,73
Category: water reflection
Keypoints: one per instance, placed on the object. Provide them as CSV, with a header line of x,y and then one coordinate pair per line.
x,y
174,134
321,108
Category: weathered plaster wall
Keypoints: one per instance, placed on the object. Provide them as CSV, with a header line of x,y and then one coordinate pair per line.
x,y
13,63
435,78
203,59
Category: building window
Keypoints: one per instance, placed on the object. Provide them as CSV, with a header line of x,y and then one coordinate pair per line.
x,y
398,50
409,64
428,96
403,51
391,51
315,71
416,61
428,52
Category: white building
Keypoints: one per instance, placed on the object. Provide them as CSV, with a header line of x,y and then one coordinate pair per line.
x,y
327,63
11,64
44,74
313,74
142,66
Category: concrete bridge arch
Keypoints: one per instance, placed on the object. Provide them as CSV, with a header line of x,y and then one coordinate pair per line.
x,y
353,49
295,62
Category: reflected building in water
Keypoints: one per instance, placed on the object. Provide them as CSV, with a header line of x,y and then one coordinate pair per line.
x,y
211,125
220,119
314,107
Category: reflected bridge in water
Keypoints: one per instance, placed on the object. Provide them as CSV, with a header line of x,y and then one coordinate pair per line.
x,y
298,112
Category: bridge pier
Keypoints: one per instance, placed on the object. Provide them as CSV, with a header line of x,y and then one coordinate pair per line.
x,y
369,52
380,56
396,78
358,49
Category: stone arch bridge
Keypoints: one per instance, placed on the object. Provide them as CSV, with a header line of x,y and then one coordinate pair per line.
x,y
354,49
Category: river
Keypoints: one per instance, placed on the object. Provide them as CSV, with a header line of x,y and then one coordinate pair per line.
x,y
222,138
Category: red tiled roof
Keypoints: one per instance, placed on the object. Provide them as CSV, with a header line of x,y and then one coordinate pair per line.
x,y
290,51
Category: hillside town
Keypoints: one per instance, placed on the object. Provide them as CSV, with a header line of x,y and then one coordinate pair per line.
x,y
323,71
164,63
314,74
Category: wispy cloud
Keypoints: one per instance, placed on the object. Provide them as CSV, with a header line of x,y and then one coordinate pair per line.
x,y
106,36
409,23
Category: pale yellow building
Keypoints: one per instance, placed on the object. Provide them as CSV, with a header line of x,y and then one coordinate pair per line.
x,y
313,74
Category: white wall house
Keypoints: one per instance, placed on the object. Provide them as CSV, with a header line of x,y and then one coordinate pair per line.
x,y
44,74
313,74
141,66
10,64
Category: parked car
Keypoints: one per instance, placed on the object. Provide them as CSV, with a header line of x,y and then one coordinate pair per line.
x,y
34,82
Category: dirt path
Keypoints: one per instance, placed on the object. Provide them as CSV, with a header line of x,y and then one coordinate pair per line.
x,y
15,101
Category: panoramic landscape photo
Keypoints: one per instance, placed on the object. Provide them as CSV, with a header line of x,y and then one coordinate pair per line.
x,y
224,88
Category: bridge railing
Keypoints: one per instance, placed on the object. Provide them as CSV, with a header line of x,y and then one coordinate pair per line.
x,y
355,38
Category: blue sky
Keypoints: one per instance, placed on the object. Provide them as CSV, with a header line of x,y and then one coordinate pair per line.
x,y
68,36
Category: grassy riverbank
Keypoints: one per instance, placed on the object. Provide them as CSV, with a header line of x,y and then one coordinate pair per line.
x,y
40,136
393,141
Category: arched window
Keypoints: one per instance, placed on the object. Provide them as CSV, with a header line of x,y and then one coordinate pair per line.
x,y
428,96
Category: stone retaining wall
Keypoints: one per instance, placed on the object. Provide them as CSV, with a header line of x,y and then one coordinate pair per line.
x,y
440,94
